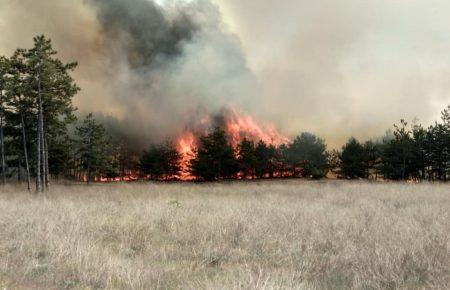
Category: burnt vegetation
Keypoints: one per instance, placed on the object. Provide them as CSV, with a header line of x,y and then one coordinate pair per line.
x,y
41,140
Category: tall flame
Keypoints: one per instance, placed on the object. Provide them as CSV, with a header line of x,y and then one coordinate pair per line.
x,y
237,126
240,126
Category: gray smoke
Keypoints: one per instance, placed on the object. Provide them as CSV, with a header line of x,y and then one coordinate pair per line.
x,y
147,70
170,63
142,31
335,68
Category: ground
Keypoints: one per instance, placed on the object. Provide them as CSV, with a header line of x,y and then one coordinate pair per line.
x,y
243,235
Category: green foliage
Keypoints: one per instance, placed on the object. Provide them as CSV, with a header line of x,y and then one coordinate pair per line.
x,y
397,154
246,158
353,159
309,153
266,157
57,86
30,75
161,161
215,158
92,147
60,159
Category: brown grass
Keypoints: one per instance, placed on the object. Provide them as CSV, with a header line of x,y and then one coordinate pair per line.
x,y
275,235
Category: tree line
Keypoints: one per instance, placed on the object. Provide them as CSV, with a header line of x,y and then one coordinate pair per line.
x,y
216,159
406,153
36,114
36,92
37,144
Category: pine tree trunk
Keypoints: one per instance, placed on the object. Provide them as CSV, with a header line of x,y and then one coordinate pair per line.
x,y
25,152
45,151
122,168
39,138
38,159
44,173
2,143
89,175
19,171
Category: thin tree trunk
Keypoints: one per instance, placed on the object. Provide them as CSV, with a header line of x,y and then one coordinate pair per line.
x,y
39,138
43,148
38,159
122,168
25,151
2,143
46,167
19,171
403,168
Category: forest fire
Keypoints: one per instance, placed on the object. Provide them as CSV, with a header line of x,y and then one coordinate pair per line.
x,y
239,127
186,145
236,125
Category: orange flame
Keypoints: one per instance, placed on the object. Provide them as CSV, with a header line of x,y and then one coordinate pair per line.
x,y
186,144
237,127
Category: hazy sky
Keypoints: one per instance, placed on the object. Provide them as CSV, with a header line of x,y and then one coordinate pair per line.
x,y
335,68
348,67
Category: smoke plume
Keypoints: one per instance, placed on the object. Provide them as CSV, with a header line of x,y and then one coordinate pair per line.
x,y
336,68
145,69
141,31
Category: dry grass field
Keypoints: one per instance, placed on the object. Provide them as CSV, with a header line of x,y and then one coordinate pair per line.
x,y
272,235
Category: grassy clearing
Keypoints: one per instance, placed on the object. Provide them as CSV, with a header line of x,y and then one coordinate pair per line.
x,y
274,235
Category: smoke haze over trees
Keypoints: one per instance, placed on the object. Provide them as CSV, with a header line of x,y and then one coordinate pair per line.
x,y
36,92
140,61
276,62
154,70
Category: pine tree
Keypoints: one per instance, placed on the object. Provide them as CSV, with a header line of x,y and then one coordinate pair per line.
x,y
4,64
284,160
397,154
353,159
92,147
420,155
308,152
53,88
21,104
445,117
438,151
246,158
215,158
161,161
371,157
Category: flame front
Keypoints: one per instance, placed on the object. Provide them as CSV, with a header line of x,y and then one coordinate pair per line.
x,y
186,144
237,127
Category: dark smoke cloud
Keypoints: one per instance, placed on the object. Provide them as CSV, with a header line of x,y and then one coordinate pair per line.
x,y
142,30
336,68
145,69
169,64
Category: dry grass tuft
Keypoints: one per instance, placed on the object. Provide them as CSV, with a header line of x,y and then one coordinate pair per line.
x,y
274,235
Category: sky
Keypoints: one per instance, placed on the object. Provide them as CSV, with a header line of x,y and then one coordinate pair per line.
x,y
350,67
334,68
